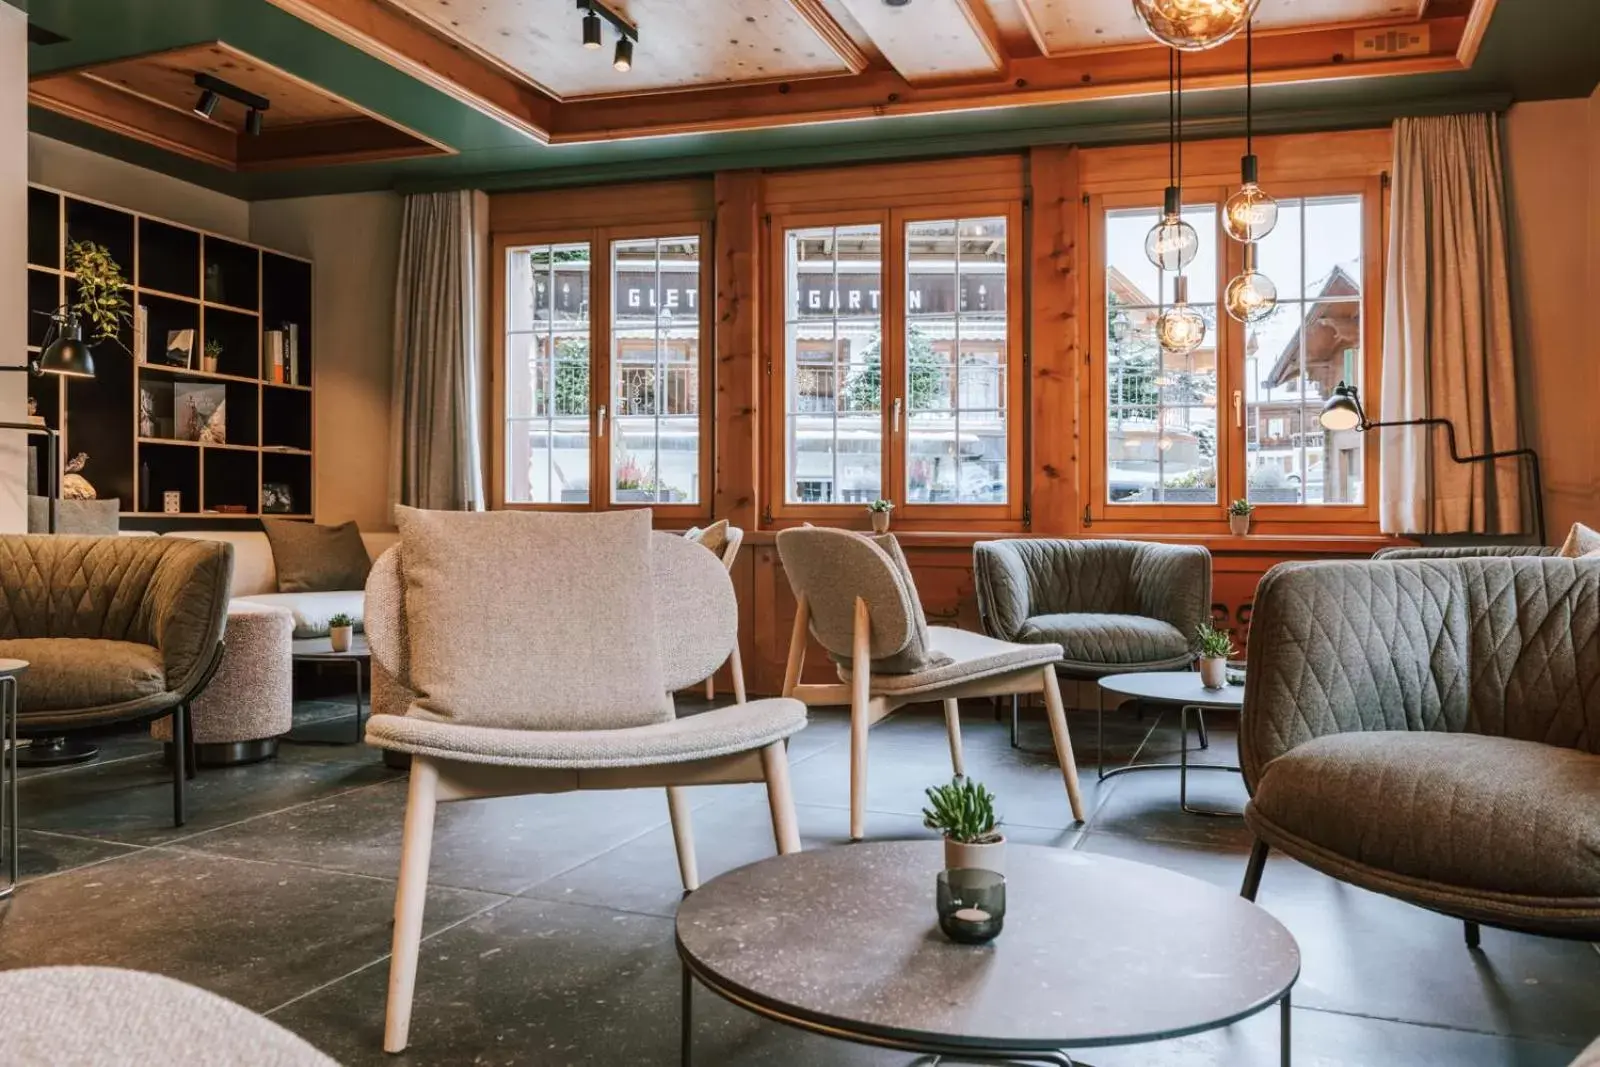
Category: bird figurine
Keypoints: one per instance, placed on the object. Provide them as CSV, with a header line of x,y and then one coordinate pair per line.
x,y
74,486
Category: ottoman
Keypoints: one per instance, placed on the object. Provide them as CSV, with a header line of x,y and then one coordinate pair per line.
x,y
250,701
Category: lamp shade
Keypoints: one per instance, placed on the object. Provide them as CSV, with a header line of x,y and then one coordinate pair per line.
x,y
1195,25
67,355
1343,410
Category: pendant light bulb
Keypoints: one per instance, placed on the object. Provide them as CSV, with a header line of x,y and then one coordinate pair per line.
x,y
1181,328
1250,214
1195,25
1172,243
1251,296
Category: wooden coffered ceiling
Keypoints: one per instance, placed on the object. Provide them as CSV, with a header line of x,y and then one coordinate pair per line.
x,y
718,65
151,97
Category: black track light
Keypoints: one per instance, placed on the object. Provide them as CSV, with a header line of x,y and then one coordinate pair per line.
x,y
207,104
624,57
591,31
252,122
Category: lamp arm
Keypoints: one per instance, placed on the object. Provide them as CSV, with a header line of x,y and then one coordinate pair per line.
x,y
1487,457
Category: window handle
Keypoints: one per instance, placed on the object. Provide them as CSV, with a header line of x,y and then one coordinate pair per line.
x,y
1238,408
601,417
896,420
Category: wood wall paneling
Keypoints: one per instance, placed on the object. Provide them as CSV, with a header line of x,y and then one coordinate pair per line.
x,y
1056,358
739,362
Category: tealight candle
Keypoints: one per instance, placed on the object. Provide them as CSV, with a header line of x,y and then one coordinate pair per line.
x,y
972,904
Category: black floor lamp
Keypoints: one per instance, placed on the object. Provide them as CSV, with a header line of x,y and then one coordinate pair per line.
x,y
69,357
1343,411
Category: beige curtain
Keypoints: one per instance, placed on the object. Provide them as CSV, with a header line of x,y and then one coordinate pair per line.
x,y
434,429
1447,348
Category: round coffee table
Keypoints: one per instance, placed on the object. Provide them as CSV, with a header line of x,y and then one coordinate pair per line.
x,y
1096,951
1180,689
320,650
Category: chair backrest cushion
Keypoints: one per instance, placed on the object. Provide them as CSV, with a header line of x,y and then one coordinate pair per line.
x,y
1506,647
532,621
94,587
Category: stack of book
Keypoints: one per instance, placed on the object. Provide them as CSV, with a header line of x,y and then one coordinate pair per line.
x,y
281,357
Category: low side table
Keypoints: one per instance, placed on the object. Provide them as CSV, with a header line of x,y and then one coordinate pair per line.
x,y
1180,689
10,814
358,657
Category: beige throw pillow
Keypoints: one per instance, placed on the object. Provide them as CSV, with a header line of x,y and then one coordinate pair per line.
x,y
317,559
1580,542
532,621
713,537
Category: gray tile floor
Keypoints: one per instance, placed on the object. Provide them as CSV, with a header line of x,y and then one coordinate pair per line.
x,y
549,934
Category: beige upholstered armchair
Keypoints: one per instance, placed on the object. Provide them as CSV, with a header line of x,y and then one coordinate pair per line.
x,y
856,597
539,725
723,539
1430,729
114,629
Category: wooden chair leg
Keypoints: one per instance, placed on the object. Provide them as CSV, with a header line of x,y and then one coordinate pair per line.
x,y
797,647
780,798
860,712
1057,715
736,665
711,688
1253,870
952,726
683,837
416,849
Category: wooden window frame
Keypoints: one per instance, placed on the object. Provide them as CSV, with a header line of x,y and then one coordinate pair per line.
x,y
893,222
601,357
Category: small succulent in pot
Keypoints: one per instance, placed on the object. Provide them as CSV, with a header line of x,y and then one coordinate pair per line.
x,y
340,629
1239,513
963,812
213,353
1216,646
879,511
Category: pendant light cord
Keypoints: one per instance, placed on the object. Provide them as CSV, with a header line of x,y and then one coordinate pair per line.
x,y
1179,181
1249,87
1172,136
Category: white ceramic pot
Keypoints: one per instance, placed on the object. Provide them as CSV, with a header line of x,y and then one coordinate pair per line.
x,y
1214,673
880,521
339,636
1239,524
990,857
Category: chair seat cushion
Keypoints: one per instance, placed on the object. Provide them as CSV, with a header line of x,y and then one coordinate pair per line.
x,y
1090,640
78,673
312,611
962,656
1459,810
721,731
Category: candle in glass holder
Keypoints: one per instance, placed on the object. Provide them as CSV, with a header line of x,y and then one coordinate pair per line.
x,y
972,904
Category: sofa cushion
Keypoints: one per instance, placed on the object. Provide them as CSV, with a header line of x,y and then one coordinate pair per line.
x,y
1582,542
1107,640
76,673
312,611
317,559
713,537
1478,813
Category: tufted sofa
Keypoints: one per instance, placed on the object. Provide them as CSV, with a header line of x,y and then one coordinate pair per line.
x,y
1430,729
114,629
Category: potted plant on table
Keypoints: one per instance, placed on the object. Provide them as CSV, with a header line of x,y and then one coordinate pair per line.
x,y
1216,646
879,511
1239,516
340,629
964,812
213,353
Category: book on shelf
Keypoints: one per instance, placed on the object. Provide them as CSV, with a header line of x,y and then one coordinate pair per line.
x,y
141,333
292,355
273,356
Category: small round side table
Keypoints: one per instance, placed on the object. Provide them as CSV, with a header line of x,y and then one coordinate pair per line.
x,y
1180,689
358,655
10,822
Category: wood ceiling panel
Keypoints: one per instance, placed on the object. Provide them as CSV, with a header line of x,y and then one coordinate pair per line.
x,y
683,44
168,78
931,40
1064,27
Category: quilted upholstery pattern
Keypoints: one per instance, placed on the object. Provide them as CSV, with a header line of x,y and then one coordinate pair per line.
x,y
1465,552
57,680
1089,640
166,593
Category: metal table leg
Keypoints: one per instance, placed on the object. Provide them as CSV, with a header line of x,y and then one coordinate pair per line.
x,y
1183,767
10,812
686,1023
359,734
1284,1053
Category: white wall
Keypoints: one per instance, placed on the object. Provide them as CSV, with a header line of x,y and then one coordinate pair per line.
x,y
13,262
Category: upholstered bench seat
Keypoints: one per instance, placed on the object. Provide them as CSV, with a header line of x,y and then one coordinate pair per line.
x,y
1482,813
83,676
1097,640
721,731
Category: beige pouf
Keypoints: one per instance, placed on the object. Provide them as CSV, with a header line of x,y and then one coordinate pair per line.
x,y
250,702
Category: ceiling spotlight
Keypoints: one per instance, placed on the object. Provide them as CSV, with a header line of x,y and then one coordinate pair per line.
x,y
591,31
212,88
207,104
252,122
624,57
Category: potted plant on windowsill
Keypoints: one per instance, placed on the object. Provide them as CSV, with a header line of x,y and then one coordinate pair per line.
x,y
1215,648
963,812
213,353
340,630
879,511
1239,513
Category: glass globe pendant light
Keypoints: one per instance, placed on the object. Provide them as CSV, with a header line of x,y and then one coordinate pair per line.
x,y
1251,296
1195,25
1172,243
1250,214
1181,328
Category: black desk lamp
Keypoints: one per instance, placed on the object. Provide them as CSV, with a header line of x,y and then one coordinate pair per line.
x,y
69,357
1343,411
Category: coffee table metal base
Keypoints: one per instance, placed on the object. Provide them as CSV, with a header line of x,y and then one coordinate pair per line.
x,y
1183,766
933,1054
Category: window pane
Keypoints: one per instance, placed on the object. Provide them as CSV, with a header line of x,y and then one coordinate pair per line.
x,y
547,374
1161,408
833,363
655,371
1297,355
955,344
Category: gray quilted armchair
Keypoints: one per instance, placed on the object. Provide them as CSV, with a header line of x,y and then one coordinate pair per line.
x,y
1430,729
1114,607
